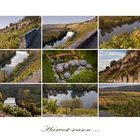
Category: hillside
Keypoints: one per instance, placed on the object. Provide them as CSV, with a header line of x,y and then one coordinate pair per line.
x,y
54,32
11,37
129,88
125,70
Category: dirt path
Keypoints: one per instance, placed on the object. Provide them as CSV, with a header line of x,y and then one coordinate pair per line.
x,y
104,113
35,78
23,68
3,114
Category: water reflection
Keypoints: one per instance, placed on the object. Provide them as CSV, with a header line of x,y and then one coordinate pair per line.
x,y
60,42
18,58
106,35
88,98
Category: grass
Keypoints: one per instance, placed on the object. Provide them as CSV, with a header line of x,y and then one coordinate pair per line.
x,y
123,40
48,73
81,30
107,22
90,112
121,103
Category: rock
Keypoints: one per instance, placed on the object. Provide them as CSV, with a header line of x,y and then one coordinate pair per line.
x,y
66,75
89,66
83,62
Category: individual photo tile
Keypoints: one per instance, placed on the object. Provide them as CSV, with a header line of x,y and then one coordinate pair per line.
x,y
69,32
20,66
119,66
119,100
119,32
70,100
17,100
70,66
20,32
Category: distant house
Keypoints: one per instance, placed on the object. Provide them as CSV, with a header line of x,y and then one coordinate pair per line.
x,y
10,102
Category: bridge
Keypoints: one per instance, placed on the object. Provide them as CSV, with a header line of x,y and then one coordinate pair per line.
x,y
88,41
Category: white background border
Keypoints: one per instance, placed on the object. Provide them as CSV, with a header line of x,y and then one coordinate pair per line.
x,y
30,128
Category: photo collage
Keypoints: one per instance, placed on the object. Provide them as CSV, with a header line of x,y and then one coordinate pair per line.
x,y
70,66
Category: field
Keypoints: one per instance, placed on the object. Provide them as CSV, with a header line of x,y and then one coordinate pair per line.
x,y
82,112
120,103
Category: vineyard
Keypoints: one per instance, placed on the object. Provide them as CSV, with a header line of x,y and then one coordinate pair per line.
x,y
120,103
70,66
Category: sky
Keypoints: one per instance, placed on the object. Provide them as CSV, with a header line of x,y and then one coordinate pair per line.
x,y
106,56
65,19
6,20
113,85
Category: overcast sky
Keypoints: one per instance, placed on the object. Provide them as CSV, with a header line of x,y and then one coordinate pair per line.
x,y
114,85
65,19
106,56
6,20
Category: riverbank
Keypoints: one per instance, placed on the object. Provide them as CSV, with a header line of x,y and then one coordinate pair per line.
x,y
123,40
79,112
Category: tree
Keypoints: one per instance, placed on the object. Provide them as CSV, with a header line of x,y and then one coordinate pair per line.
x,y
113,63
66,104
1,97
53,107
50,105
76,103
1,106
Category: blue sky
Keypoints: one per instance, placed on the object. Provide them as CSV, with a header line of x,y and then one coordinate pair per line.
x,y
65,19
6,20
106,56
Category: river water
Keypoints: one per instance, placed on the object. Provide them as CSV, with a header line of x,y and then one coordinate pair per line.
x,y
60,42
18,58
107,35
87,98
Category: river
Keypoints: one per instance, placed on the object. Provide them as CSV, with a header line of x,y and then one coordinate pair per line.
x,y
60,42
18,58
107,35
87,98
